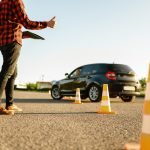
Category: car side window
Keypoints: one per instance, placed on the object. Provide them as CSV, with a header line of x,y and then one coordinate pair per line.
x,y
87,70
100,68
75,73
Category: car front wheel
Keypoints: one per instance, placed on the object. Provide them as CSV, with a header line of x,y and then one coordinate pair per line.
x,y
95,93
55,93
127,98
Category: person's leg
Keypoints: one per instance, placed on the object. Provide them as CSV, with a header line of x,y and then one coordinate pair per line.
x,y
9,89
10,55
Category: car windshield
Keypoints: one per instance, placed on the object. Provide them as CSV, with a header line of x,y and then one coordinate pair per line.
x,y
75,73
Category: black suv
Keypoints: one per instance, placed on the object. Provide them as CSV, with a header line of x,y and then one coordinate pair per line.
x,y
121,80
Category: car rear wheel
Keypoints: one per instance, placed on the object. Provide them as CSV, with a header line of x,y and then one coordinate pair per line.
x,y
55,93
127,98
95,93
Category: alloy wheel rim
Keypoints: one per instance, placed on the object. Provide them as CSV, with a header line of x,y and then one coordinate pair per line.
x,y
93,93
56,93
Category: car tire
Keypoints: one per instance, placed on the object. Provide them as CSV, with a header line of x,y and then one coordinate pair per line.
x,y
55,93
127,98
95,93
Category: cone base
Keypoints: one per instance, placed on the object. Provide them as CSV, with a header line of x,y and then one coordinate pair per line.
x,y
132,146
105,112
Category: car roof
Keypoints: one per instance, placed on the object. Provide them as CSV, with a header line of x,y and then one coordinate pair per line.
x,y
102,64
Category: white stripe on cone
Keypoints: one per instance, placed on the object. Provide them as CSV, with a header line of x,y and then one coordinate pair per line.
x,y
105,103
105,93
78,94
146,124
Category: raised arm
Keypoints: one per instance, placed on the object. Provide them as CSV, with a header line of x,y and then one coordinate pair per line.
x,y
21,17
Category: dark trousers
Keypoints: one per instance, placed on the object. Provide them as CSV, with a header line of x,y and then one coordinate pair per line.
x,y
8,73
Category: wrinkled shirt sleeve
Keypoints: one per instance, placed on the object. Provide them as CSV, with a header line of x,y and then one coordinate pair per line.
x,y
21,17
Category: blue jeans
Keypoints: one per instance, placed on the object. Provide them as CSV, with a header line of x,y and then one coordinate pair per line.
x,y
8,73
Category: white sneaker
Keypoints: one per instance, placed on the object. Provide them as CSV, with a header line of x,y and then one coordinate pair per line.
x,y
13,108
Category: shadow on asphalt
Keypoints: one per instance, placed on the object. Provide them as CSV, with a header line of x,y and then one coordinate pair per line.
x,y
65,101
57,113
41,101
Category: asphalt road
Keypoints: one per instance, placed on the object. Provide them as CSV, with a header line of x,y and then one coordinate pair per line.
x,y
46,124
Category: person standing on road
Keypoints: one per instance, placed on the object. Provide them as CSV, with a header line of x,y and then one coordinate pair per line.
x,y
12,18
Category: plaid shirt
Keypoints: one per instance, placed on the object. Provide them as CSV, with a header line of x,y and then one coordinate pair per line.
x,y
12,18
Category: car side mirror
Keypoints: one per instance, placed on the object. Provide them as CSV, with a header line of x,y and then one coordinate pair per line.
x,y
66,74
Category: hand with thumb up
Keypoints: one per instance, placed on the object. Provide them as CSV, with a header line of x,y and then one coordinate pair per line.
x,y
52,22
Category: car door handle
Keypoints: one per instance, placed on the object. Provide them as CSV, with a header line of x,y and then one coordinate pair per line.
x,y
89,77
75,79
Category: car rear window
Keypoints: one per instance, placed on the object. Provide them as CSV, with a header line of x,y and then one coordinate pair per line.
x,y
120,68
103,68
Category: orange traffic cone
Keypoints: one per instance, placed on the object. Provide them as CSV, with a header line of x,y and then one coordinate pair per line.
x,y
77,98
105,102
145,135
